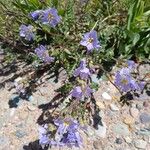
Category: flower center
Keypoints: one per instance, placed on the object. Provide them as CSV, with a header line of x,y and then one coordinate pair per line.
x,y
45,54
90,40
66,123
50,16
124,81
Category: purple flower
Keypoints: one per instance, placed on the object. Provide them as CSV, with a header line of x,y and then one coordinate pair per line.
x,y
72,138
36,14
88,92
42,53
43,136
68,131
122,80
90,41
131,64
77,92
141,85
27,32
50,16
62,126
80,93
125,82
82,70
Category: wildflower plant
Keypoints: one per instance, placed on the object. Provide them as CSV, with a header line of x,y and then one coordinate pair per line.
x,y
58,40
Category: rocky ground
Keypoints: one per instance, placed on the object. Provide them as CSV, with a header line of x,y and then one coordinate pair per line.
x,y
124,127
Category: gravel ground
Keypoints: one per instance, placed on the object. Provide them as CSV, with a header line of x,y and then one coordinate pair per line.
x,y
123,127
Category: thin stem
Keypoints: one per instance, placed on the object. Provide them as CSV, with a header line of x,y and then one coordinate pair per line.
x,y
95,25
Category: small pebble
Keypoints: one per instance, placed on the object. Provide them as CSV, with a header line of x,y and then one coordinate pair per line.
x,y
97,144
20,133
101,132
145,104
121,129
100,105
139,106
32,108
129,120
144,118
128,139
106,96
114,107
118,140
134,112
12,112
140,144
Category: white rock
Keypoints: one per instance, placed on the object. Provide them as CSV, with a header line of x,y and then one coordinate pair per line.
x,y
140,144
134,112
32,108
12,112
114,107
106,96
101,132
128,139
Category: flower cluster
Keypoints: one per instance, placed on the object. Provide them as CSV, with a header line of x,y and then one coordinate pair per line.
x,y
42,53
84,73
48,16
124,80
66,134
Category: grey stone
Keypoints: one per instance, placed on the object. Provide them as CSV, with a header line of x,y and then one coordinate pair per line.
x,y
121,129
139,106
144,131
144,118
20,133
140,144
4,141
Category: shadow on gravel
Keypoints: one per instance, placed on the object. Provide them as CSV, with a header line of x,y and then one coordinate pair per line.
x,y
34,146
49,110
33,83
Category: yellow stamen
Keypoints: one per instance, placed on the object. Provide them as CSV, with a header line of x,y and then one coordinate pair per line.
x,y
124,81
50,16
90,40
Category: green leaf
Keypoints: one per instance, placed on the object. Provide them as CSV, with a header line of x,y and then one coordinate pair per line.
x,y
136,38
